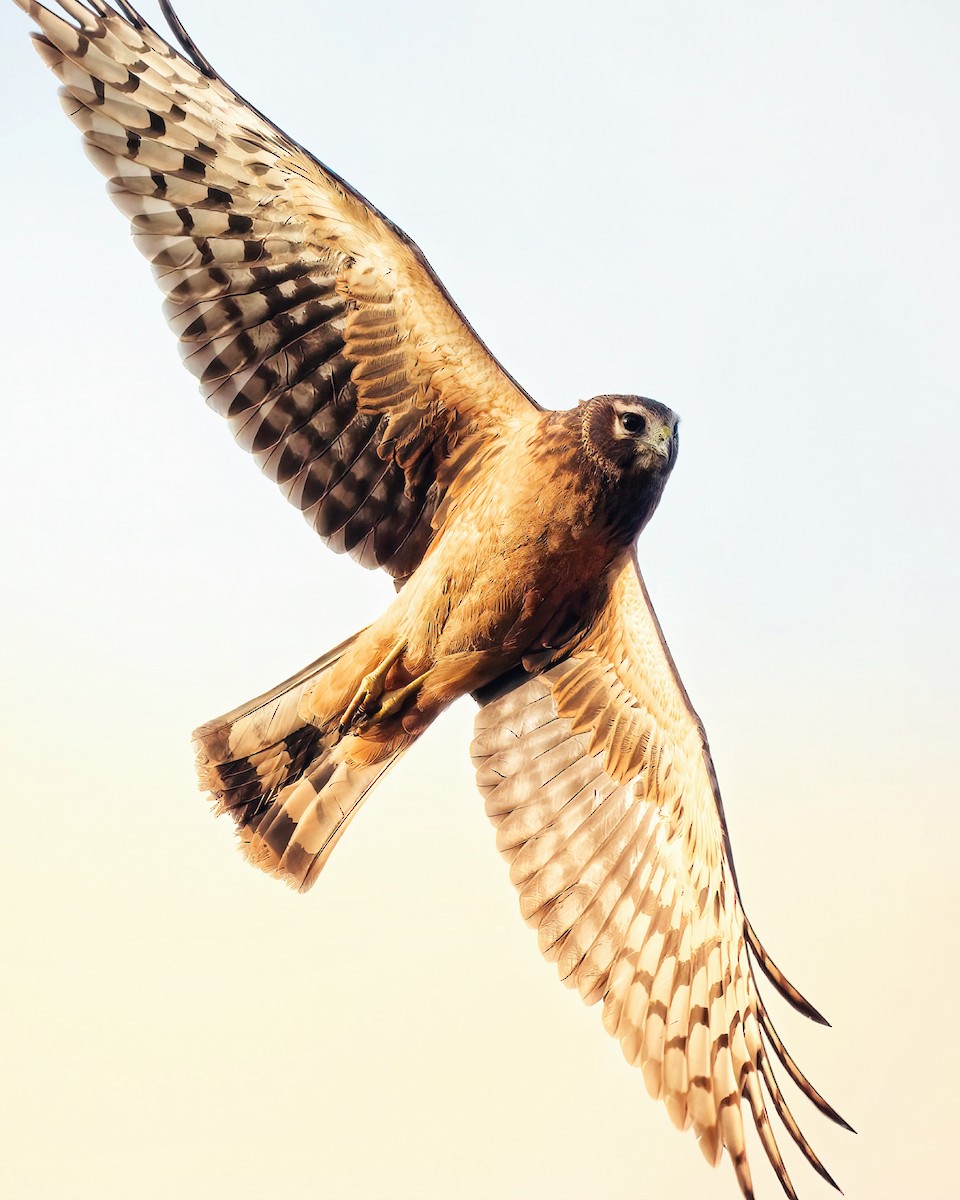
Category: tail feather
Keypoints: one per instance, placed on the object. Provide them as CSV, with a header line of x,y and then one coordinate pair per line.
x,y
259,724
290,788
294,836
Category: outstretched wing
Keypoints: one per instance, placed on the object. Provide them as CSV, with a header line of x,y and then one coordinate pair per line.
x,y
315,326
598,778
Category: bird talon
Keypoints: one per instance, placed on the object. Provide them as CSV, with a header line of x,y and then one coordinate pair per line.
x,y
365,707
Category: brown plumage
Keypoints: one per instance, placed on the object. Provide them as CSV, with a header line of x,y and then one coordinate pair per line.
x,y
319,331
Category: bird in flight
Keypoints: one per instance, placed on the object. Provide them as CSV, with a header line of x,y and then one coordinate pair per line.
x,y
318,330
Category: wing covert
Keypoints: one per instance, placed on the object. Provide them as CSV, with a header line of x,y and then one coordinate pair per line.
x,y
315,326
597,776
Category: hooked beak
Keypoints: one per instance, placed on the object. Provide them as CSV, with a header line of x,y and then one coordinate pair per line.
x,y
663,441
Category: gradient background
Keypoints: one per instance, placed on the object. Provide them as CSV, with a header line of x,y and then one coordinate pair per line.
x,y
748,211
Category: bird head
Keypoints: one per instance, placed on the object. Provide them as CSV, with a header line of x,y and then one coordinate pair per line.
x,y
629,437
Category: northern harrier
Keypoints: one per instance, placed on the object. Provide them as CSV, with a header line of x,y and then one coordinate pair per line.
x,y
319,331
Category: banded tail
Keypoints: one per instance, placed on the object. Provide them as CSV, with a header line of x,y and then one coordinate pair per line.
x,y
290,787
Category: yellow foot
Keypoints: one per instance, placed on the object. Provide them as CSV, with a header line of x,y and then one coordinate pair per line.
x,y
395,700
365,702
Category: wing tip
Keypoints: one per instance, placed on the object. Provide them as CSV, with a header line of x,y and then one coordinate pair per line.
x,y
825,1175
815,1015
804,1084
829,1111
837,1119
189,46
783,985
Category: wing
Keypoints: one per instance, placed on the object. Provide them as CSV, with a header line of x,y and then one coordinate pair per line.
x,y
315,326
598,778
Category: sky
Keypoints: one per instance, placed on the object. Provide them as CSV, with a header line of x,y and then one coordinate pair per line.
x,y
747,211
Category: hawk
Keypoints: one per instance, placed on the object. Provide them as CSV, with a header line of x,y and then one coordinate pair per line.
x,y
319,331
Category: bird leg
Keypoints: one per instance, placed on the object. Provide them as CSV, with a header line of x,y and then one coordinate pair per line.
x,y
365,701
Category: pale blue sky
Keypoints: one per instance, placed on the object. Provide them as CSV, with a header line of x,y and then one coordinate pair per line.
x,y
747,211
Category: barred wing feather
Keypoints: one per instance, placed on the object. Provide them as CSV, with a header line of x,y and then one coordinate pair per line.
x,y
313,325
598,778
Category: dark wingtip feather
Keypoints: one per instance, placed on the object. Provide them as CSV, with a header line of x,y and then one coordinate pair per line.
x,y
780,981
193,52
828,1178
796,1074
790,1122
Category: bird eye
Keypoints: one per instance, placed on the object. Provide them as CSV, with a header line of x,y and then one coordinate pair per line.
x,y
633,422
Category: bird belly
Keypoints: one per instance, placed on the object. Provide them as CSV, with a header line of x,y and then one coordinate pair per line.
x,y
508,581
507,584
